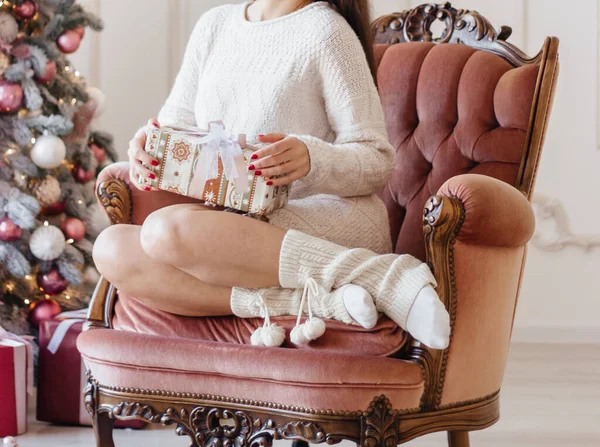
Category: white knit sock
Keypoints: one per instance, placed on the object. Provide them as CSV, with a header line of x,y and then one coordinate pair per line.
x,y
393,281
428,320
360,305
319,304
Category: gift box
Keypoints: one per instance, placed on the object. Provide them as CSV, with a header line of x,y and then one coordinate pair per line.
x,y
211,167
62,373
16,377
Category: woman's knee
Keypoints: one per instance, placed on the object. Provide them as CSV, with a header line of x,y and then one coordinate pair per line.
x,y
163,234
173,234
110,248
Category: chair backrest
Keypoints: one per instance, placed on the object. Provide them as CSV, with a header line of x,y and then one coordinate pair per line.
x,y
464,102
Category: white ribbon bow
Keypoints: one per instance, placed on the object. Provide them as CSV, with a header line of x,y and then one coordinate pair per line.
x,y
69,319
25,340
220,142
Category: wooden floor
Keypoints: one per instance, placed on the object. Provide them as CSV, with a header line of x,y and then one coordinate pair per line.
x,y
551,397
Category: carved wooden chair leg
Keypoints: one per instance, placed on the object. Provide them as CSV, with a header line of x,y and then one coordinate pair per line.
x,y
299,444
103,429
458,439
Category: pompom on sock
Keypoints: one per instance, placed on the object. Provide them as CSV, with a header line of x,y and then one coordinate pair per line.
x,y
313,328
271,334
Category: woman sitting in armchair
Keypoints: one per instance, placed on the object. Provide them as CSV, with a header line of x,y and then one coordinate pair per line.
x,y
298,74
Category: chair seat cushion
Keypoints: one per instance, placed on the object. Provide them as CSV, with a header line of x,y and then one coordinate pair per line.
x,y
132,315
319,380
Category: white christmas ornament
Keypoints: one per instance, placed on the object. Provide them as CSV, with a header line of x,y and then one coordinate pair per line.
x,y
96,220
48,152
47,243
9,28
99,98
91,275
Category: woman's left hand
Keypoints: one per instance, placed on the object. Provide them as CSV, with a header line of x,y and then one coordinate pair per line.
x,y
287,157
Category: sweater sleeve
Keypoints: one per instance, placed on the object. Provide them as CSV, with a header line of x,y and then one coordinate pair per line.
x,y
359,161
180,105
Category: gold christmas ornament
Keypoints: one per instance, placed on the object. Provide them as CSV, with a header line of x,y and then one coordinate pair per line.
x,y
4,63
46,191
20,179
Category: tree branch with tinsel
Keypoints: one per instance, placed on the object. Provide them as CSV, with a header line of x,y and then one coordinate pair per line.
x,y
50,156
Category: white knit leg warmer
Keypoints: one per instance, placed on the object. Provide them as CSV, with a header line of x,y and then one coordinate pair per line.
x,y
393,281
267,303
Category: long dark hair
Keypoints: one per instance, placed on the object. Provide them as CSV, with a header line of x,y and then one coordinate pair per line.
x,y
358,14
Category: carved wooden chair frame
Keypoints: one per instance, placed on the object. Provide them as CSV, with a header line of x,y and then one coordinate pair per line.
x,y
257,424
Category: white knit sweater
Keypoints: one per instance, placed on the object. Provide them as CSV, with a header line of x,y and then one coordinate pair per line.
x,y
303,74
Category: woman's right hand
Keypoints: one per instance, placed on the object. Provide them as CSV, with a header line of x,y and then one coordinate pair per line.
x,y
139,158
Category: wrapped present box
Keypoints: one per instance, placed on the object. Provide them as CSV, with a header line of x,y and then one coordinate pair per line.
x,y
14,363
62,373
211,167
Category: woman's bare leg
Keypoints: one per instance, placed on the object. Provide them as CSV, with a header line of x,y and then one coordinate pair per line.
x,y
218,248
119,257
192,248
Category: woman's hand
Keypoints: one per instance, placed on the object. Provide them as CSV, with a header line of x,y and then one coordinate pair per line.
x,y
138,157
287,157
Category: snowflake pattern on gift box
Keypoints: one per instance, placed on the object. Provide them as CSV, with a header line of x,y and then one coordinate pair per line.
x,y
181,151
210,197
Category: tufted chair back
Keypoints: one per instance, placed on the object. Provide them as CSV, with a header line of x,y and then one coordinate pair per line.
x,y
466,102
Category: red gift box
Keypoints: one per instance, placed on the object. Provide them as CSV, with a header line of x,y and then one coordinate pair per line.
x,y
14,363
62,374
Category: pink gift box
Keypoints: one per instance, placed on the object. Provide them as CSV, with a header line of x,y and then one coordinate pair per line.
x,y
62,375
13,387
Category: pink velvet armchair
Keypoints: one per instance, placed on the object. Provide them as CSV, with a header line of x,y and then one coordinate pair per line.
x,y
467,112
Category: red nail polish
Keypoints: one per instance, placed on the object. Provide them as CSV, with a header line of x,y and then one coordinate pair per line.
x,y
251,167
257,173
255,157
154,163
155,124
261,135
152,176
269,183
147,188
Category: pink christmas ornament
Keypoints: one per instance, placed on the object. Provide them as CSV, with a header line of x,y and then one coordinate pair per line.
x,y
81,31
52,283
69,41
83,176
98,152
11,96
49,74
43,310
9,231
26,10
73,228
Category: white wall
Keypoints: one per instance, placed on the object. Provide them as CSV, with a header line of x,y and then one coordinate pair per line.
x,y
135,60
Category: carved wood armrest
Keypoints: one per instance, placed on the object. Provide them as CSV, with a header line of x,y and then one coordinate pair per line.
x,y
443,218
115,196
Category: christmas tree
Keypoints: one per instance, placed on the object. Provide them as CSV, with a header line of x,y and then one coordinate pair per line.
x,y
49,159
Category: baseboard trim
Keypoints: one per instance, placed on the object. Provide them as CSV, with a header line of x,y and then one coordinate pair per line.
x,y
566,335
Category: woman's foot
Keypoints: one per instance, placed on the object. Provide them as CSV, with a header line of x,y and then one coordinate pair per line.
x,y
428,320
360,305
